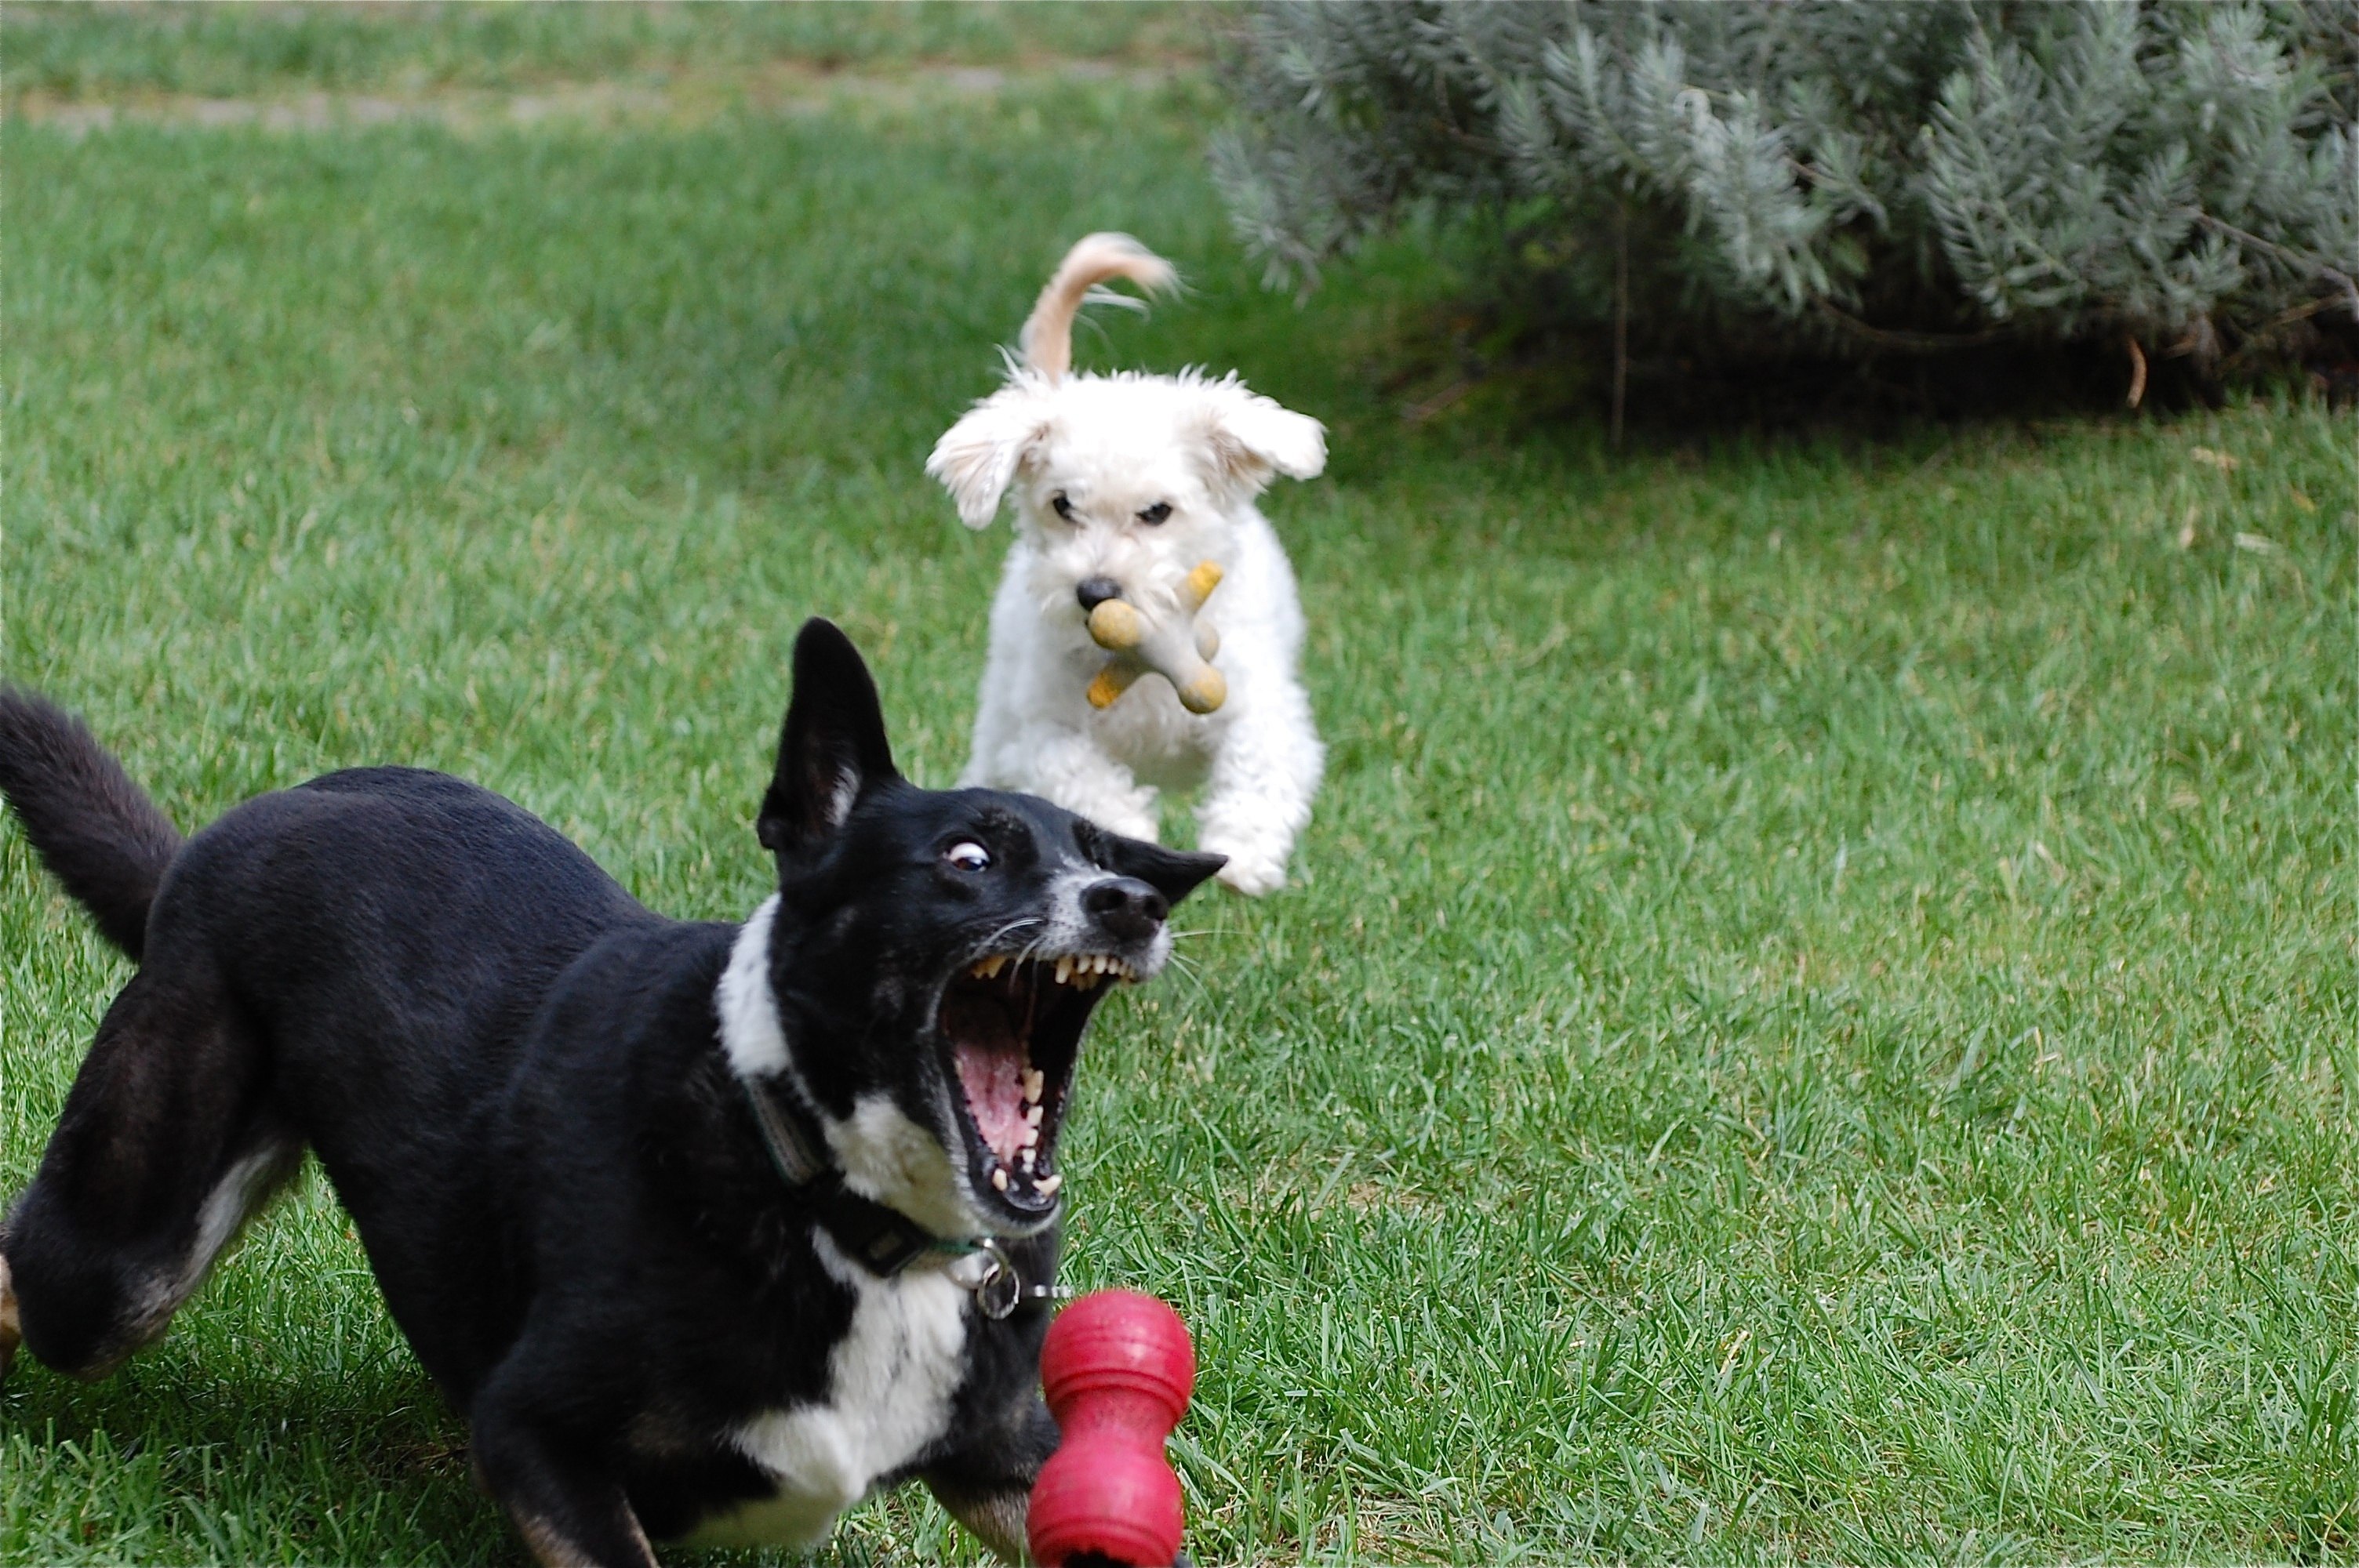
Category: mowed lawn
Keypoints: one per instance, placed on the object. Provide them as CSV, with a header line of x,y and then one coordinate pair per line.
x,y
1817,1014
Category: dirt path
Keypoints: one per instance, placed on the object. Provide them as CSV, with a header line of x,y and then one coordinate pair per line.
x,y
676,99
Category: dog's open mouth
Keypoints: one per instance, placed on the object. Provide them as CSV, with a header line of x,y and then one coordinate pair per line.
x,y
1014,1028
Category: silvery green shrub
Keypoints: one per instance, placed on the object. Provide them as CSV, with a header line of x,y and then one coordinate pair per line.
x,y
1821,174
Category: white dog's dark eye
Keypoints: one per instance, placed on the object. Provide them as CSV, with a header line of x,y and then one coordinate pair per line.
x,y
1063,505
1155,514
968,856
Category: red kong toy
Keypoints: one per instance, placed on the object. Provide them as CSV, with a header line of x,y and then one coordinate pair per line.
x,y
1117,1369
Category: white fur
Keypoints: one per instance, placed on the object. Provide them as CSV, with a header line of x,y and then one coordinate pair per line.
x,y
244,1187
1070,928
1114,445
840,800
750,1032
237,1195
890,1381
892,1377
891,1159
886,1156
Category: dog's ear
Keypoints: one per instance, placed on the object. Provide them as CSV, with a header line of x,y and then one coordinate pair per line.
x,y
977,457
1252,438
833,748
1174,873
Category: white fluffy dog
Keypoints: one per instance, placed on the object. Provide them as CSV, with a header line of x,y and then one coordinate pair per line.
x,y
1122,484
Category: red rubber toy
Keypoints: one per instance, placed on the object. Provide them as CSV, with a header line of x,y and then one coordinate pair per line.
x,y
1117,1369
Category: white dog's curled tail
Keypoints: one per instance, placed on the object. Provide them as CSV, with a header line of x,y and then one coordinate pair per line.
x,y
1048,340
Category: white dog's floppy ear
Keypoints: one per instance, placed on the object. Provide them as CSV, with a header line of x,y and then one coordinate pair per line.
x,y
1250,437
977,457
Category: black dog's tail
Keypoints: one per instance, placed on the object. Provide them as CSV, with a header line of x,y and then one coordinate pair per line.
x,y
96,830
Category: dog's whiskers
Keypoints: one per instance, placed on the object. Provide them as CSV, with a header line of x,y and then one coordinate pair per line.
x,y
1011,928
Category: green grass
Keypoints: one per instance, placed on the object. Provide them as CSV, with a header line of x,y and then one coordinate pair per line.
x,y
1818,1019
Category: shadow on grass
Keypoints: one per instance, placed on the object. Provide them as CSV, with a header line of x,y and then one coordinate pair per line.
x,y
165,1461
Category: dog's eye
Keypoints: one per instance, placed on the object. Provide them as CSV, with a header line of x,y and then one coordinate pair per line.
x,y
1063,505
968,856
1155,514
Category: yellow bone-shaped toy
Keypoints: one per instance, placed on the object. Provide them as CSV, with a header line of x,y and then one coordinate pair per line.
x,y
1179,648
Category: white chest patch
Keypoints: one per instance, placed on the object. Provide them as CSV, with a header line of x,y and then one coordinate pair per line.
x,y
890,1382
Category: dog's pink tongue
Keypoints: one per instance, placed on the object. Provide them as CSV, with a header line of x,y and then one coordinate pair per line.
x,y
994,1081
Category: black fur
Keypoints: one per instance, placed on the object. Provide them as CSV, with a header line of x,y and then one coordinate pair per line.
x,y
97,832
514,1076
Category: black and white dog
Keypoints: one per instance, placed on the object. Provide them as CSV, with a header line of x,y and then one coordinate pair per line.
x,y
707,1229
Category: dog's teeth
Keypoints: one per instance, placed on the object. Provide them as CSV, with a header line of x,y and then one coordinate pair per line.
x,y
1032,1116
1024,1158
999,1177
988,968
1064,971
1030,1140
1047,1186
1034,1081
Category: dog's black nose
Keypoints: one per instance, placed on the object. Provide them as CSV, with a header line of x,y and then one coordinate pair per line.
x,y
1094,592
1125,907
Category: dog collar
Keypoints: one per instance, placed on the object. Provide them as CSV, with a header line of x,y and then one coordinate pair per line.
x,y
880,1239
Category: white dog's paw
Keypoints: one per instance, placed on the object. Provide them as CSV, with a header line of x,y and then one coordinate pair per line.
x,y
1127,820
1249,872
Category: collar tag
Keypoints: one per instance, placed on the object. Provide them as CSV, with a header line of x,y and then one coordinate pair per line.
x,y
1003,1288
